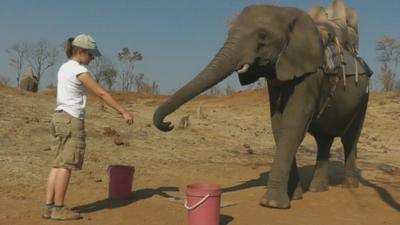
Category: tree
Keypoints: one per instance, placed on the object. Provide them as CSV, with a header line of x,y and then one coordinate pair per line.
x,y
229,89
259,84
109,76
40,57
4,80
155,88
17,54
149,88
139,82
97,65
103,71
388,49
215,90
128,60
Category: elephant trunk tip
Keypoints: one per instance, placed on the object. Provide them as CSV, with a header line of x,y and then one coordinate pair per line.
x,y
158,121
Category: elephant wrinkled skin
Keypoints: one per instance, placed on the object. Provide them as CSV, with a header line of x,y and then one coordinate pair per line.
x,y
284,45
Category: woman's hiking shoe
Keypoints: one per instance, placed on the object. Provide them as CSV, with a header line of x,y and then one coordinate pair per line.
x,y
46,212
64,213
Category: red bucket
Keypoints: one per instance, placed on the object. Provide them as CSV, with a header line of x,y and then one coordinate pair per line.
x,y
203,203
120,181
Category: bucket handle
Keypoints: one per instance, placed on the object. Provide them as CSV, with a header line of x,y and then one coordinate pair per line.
x,y
197,204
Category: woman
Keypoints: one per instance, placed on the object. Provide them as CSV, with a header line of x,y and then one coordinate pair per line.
x,y
68,122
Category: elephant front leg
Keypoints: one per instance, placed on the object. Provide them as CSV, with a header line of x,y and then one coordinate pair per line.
x,y
293,104
295,189
277,195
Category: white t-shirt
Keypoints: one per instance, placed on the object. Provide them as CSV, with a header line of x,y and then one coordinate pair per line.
x,y
71,93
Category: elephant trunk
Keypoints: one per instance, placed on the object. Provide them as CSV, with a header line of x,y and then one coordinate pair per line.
x,y
221,66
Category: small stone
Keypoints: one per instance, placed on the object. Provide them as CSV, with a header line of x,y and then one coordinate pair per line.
x,y
247,149
118,141
387,168
109,132
250,151
48,148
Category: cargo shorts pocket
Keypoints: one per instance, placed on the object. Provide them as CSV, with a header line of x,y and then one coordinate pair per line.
x,y
60,126
73,155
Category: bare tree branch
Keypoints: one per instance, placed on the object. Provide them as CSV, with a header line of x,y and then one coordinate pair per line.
x,y
17,53
388,49
103,71
128,60
4,80
40,57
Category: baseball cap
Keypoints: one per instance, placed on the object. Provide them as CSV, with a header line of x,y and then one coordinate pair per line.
x,y
85,41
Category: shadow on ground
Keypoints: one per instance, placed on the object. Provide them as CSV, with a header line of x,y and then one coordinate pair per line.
x,y
136,196
336,175
225,219
383,193
306,172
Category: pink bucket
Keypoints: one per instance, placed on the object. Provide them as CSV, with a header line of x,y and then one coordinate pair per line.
x,y
203,203
120,181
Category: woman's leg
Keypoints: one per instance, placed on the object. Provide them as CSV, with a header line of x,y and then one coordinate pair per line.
x,y
61,185
51,186
57,186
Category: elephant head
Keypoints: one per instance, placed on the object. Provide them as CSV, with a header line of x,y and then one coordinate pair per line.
x,y
277,42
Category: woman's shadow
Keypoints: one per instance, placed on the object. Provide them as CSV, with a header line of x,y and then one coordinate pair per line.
x,y
136,196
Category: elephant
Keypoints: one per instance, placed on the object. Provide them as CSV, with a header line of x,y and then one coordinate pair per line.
x,y
29,81
284,46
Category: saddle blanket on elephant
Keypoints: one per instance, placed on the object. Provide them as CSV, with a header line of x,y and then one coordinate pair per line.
x,y
337,59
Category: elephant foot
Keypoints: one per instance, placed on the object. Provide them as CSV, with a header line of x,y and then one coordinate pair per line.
x,y
275,199
298,193
351,182
320,179
319,185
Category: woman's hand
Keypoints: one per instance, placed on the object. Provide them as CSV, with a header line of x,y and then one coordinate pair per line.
x,y
128,117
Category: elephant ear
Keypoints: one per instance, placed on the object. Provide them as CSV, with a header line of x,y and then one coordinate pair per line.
x,y
303,52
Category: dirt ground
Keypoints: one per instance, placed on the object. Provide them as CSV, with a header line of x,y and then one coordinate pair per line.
x,y
229,143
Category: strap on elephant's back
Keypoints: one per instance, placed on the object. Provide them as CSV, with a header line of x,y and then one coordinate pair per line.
x,y
332,89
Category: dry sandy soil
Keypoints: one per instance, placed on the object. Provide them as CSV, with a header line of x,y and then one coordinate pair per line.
x,y
211,150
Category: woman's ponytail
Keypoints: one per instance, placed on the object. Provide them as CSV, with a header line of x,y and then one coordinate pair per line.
x,y
68,49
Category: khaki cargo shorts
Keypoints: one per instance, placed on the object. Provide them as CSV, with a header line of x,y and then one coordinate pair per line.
x,y
69,134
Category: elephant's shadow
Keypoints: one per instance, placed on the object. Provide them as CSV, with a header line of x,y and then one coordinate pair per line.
x,y
305,172
336,176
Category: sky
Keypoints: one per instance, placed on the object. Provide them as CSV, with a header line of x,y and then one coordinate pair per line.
x,y
176,37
